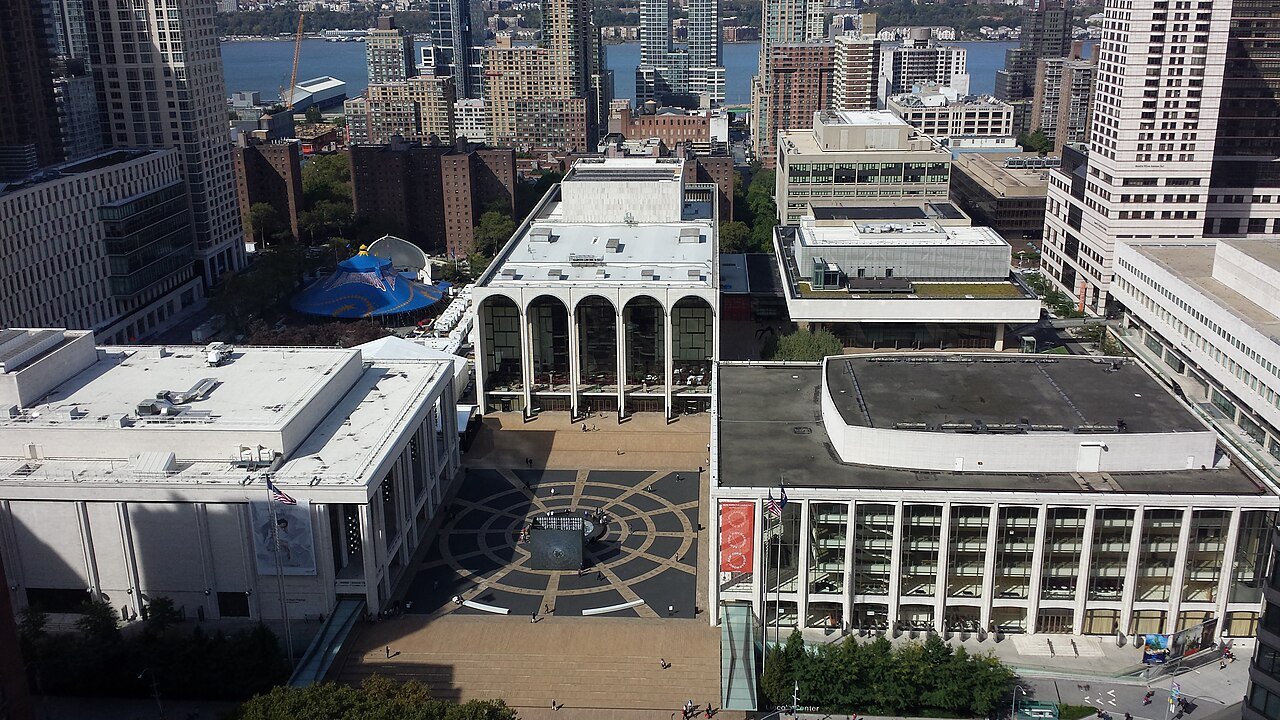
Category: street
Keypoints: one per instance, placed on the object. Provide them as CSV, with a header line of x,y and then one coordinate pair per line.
x,y
1206,689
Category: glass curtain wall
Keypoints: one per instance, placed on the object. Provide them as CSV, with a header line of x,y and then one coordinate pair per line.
x,y
1158,553
1109,558
872,549
1016,538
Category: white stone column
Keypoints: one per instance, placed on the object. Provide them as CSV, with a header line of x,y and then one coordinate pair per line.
x,y
526,360
130,557
712,540
1179,570
86,546
999,337
1082,578
368,550
1129,595
940,585
482,357
1037,568
848,588
802,566
668,360
575,362
621,353
1228,569
895,566
989,568
206,556
759,583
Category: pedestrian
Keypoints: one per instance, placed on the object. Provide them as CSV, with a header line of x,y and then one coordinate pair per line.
x,y
1128,716
554,705
1222,664
671,610
679,477
534,617
388,652
662,663
553,491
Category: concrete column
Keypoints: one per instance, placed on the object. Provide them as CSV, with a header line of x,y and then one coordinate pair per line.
x,y
989,568
712,540
940,586
1082,579
86,545
324,552
575,363
848,590
802,565
130,557
482,359
1228,569
526,361
248,560
999,337
368,550
1129,594
895,566
1037,568
668,361
759,586
1179,571
621,353
206,556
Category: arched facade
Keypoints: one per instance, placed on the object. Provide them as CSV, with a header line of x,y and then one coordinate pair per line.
x,y
597,349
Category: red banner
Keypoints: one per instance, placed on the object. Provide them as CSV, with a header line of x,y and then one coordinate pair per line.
x,y
737,537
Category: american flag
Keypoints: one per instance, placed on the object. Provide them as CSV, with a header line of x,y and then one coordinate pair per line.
x,y
279,495
775,506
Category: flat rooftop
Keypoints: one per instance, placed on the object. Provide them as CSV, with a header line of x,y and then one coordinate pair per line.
x,y
91,164
625,170
1193,264
1056,393
904,211
888,234
769,430
861,117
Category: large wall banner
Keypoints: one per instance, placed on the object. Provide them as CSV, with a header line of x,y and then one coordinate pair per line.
x,y
291,535
737,537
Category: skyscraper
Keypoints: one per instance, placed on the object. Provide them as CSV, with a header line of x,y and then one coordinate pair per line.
x,y
389,52
1046,33
453,49
857,73
554,95
28,113
159,75
1159,83
1063,102
783,22
690,76
75,92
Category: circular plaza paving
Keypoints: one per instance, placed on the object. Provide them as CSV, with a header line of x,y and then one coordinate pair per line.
x,y
646,559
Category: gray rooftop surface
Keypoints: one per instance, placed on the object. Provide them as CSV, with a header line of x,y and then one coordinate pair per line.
x,y
1050,391
770,428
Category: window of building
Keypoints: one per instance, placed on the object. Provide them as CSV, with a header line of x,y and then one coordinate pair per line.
x,y
57,600
233,604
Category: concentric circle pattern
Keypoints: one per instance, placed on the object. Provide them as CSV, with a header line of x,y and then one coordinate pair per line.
x,y
646,558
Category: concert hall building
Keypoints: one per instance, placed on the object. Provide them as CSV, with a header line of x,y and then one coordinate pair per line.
x,y
980,493
129,473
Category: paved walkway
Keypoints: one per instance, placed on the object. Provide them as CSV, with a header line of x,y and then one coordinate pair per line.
x,y
595,666
642,442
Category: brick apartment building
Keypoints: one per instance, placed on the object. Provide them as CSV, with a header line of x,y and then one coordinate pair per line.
x,y
800,84
431,195
270,173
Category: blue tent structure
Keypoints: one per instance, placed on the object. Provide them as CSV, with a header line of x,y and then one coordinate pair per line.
x,y
365,286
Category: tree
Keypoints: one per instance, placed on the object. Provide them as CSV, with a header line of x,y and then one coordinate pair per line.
x,y
1036,141
377,698
806,346
313,115
735,237
32,623
493,230
162,614
98,622
264,220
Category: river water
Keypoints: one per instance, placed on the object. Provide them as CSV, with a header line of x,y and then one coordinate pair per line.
x,y
264,65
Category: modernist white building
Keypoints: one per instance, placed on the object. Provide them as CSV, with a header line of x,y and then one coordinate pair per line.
x,y
606,297
1208,315
980,493
941,113
130,473
902,275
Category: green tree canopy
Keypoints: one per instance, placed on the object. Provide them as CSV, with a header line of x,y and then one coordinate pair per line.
x,y
493,230
929,679
735,237
806,346
264,221
313,115
377,698
1036,141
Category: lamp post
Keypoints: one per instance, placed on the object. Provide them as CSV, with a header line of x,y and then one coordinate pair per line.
x,y
1013,713
155,689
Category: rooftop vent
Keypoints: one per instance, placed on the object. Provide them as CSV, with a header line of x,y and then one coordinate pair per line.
x,y
695,274
540,234
648,274
508,273
613,244
690,235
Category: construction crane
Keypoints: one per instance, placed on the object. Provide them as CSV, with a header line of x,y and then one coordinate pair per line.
x,y
293,77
